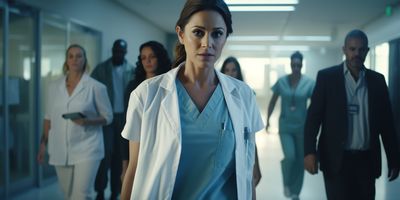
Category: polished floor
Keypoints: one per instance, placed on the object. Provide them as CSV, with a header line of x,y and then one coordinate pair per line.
x,y
270,187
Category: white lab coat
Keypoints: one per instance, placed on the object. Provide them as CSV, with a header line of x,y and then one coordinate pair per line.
x,y
153,120
70,143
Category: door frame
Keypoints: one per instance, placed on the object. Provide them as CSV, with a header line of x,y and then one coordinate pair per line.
x,y
9,188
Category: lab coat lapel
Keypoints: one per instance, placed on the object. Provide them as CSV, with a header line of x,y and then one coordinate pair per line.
x,y
233,102
169,105
80,87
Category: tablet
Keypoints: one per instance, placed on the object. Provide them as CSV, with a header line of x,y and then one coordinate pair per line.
x,y
74,115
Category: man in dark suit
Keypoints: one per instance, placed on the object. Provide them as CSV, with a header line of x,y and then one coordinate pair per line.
x,y
351,105
115,73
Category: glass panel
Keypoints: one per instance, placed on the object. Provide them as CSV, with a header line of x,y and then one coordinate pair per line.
x,y
54,37
90,40
2,131
21,62
382,60
253,70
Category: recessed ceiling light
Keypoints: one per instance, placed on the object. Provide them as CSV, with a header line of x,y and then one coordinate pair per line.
x,y
247,47
289,48
316,38
260,8
251,38
261,2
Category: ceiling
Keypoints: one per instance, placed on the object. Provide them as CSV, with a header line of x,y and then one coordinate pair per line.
x,y
332,18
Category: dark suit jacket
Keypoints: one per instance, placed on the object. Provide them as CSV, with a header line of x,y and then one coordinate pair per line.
x,y
328,110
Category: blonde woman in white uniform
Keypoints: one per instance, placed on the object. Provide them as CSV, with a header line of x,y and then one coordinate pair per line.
x,y
75,145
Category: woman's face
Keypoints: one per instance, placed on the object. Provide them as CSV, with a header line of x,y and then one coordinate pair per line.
x,y
75,59
230,69
149,60
204,37
296,64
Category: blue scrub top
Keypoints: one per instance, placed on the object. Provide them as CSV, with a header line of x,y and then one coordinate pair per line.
x,y
293,103
207,163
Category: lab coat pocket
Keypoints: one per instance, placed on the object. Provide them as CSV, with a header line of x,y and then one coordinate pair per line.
x,y
77,133
226,145
249,139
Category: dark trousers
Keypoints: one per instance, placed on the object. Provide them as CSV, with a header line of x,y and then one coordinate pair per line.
x,y
355,181
112,159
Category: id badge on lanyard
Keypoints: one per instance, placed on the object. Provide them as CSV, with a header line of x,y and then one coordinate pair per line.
x,y
353,109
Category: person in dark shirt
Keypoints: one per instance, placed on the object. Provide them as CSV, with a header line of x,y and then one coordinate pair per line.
x,y
153,60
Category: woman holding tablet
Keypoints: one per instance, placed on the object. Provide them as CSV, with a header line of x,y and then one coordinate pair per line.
x,y
75,141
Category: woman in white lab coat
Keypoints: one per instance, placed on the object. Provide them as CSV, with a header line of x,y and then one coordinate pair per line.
x,y
77,106
192,129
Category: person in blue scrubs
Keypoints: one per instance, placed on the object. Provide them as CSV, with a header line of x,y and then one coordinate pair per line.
x,y
294,89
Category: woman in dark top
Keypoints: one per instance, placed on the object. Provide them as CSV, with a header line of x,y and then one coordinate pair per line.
x,y
153,60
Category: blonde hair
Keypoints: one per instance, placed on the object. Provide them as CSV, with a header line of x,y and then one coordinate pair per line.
x,y
85,65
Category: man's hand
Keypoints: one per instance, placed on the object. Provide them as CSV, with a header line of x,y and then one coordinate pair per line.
x,y
310,163
393,173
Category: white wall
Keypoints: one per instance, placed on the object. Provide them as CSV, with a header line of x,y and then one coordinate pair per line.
x,y
320,58
384,29
111,19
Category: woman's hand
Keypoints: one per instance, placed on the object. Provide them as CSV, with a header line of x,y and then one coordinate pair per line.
x,y
81,121
90,122
123,171
42,153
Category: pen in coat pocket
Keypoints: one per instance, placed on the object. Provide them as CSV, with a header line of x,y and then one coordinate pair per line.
x,y
246,133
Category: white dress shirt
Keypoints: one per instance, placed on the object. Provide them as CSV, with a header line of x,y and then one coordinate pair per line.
x,y
357,110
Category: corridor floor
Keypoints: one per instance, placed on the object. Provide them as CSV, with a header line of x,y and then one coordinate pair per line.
x,y
270,186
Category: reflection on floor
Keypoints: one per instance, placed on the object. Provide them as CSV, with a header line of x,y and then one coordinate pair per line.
x,y
270,187
49,192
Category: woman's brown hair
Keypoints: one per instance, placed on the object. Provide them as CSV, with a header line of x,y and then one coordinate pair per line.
x,y
193,6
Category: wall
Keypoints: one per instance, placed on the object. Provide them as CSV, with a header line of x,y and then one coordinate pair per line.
x,y
108,17
384,28
320,58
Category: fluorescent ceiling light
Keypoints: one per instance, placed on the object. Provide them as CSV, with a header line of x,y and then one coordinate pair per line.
x,y
247,47
319,38
260,2
249,38
260,8
289,48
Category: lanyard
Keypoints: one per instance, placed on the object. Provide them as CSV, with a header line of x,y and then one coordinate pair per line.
x,y
293,90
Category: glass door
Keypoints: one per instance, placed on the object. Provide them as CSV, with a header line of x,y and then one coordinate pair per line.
x,y
25,72
18,84
53,46
3,170
21,89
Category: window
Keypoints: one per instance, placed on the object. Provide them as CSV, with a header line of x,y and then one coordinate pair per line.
x,y
382,60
